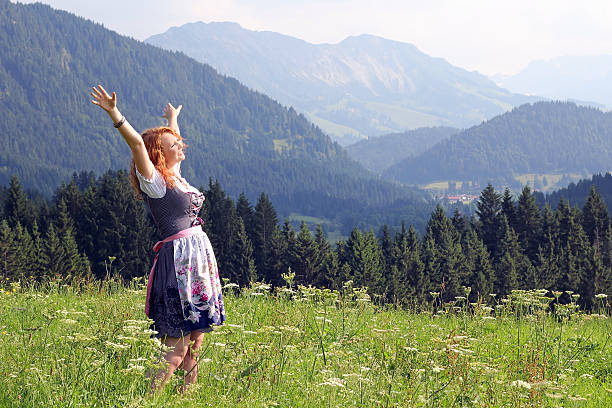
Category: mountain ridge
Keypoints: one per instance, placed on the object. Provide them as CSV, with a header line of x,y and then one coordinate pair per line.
x,y
362,86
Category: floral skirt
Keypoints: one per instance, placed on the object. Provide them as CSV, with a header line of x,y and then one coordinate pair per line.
x,y
186,289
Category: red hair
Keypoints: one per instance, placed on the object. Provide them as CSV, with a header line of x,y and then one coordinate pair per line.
x,y
152,140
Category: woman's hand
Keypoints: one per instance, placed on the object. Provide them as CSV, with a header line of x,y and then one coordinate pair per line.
x,y
131,137
171,114
103,99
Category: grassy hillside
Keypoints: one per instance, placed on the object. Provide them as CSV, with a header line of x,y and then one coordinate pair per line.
x,y
60,346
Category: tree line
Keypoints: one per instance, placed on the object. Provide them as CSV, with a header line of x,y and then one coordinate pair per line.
x,y
94,227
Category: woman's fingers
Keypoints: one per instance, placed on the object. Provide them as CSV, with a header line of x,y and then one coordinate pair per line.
x,y
178,110
106,95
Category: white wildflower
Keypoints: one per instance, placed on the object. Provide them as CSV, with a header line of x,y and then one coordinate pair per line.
x,y
521,383
333,382
69,321
116,346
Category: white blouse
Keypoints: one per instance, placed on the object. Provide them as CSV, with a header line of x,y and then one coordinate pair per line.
x,y
155,187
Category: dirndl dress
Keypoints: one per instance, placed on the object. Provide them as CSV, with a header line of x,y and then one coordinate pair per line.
x,y
185,289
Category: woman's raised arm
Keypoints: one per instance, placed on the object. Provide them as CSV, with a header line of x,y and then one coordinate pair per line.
x,y
132,138
171,114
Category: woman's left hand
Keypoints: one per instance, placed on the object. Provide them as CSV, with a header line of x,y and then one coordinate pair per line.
x,y
170,112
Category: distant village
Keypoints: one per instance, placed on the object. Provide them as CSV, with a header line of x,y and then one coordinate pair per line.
x,y
462,198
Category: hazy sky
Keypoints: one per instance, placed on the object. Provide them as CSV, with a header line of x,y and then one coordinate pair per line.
x,y
490,36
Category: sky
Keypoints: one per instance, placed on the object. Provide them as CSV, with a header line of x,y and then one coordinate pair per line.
x,y
489,36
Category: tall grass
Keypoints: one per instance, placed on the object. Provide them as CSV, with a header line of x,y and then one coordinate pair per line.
x,y
88,344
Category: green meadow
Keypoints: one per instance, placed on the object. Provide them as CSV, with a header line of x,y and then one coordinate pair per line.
x,y
88,344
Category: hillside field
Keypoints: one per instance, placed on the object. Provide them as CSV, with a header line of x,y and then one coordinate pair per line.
x,y
87,344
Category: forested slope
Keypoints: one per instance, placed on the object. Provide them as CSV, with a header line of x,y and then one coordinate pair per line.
x,y
542,138
379,153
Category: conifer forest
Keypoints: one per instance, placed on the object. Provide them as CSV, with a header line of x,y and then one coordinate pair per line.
x,y
94,228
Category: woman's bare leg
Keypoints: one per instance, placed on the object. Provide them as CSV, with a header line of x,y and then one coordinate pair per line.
x,y
174,357
190,362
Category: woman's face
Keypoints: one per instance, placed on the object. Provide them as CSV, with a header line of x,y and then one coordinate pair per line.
x,y
172,148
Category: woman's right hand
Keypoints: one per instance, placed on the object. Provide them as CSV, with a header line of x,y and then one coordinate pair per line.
x,y
103,99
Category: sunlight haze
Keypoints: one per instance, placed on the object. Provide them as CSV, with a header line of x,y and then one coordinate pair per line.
x,y
489,36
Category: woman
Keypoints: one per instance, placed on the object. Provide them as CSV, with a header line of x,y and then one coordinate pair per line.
x,y
184,292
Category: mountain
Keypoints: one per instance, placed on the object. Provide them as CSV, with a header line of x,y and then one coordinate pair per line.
x,y
49,60
548,139
363,86
584,78
379,153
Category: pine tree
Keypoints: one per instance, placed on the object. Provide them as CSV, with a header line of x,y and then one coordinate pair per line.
x,y
245,211
550,225
452,266
507,271
595,218
482,274
386,246
408,274
488,212
548,264
329,272
528,223
63,220
603,282
578,256
590,277
38,254
265,221
431,261
305,257
276,262
564,217
508,208
242,266
363,256
17,207
54,255
8,250
326,271
121,229
75,265
24,254
460,223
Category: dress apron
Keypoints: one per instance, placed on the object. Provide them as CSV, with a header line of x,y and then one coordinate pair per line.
x,y
181,234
